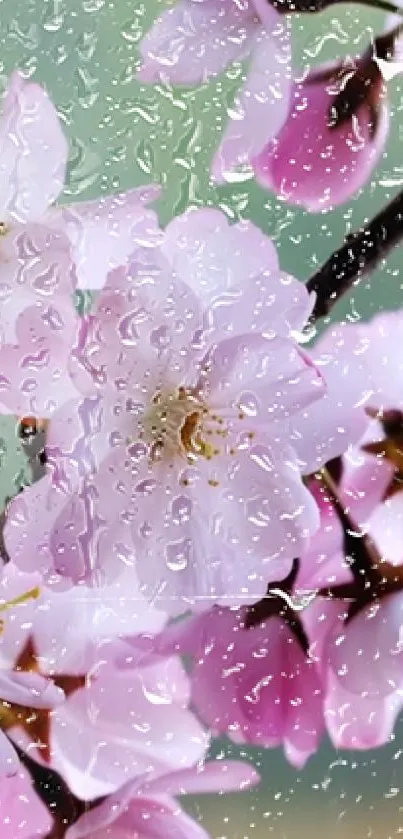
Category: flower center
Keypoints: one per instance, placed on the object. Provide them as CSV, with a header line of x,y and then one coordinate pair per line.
x,y
177,425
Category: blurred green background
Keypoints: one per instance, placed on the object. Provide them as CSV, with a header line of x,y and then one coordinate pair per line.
x,y
121,135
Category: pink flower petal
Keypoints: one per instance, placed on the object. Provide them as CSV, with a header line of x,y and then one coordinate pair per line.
x,y
261,107
9,761
366,654
326,428
144,818
242,376
214,776
234,269
38,323
146,728
106,231
22,813
29,523
30,690
197,40
34,152
311,164
358,721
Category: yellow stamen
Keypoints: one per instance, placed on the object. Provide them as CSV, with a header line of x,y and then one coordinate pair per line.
x,y
32,594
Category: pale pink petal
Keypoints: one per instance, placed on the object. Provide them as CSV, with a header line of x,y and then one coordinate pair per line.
x,y
76,522
22,813
146,729
29,689
269,513
261,107
234,269
37,269
243,379
356,721
363,483
187,556
34,379
34,152
144,333
38,323
310,164
379,339
386,527
9,761
105,232
144,818
90,617
145,807
197,40
366,653
31,517
213,776
325,429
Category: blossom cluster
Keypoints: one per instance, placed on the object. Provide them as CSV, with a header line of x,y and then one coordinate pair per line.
x,y
211,488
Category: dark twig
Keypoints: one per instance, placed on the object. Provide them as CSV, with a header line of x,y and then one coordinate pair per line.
x,y
314,6
275,604
64,807
362,252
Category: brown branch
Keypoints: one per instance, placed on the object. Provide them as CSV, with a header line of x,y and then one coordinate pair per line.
x,y
361,253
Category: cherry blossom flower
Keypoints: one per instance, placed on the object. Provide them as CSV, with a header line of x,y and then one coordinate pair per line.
x,y
256,684
334,135
177,457
103,232
197,40
148,811
114,726
356,633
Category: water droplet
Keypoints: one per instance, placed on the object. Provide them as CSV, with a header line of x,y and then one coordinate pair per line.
x,y
177,554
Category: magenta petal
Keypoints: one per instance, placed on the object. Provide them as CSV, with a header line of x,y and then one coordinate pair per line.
x,y
34,152
310,164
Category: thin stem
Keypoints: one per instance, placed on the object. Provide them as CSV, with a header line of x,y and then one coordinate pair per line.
x,y
315,6
361,252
